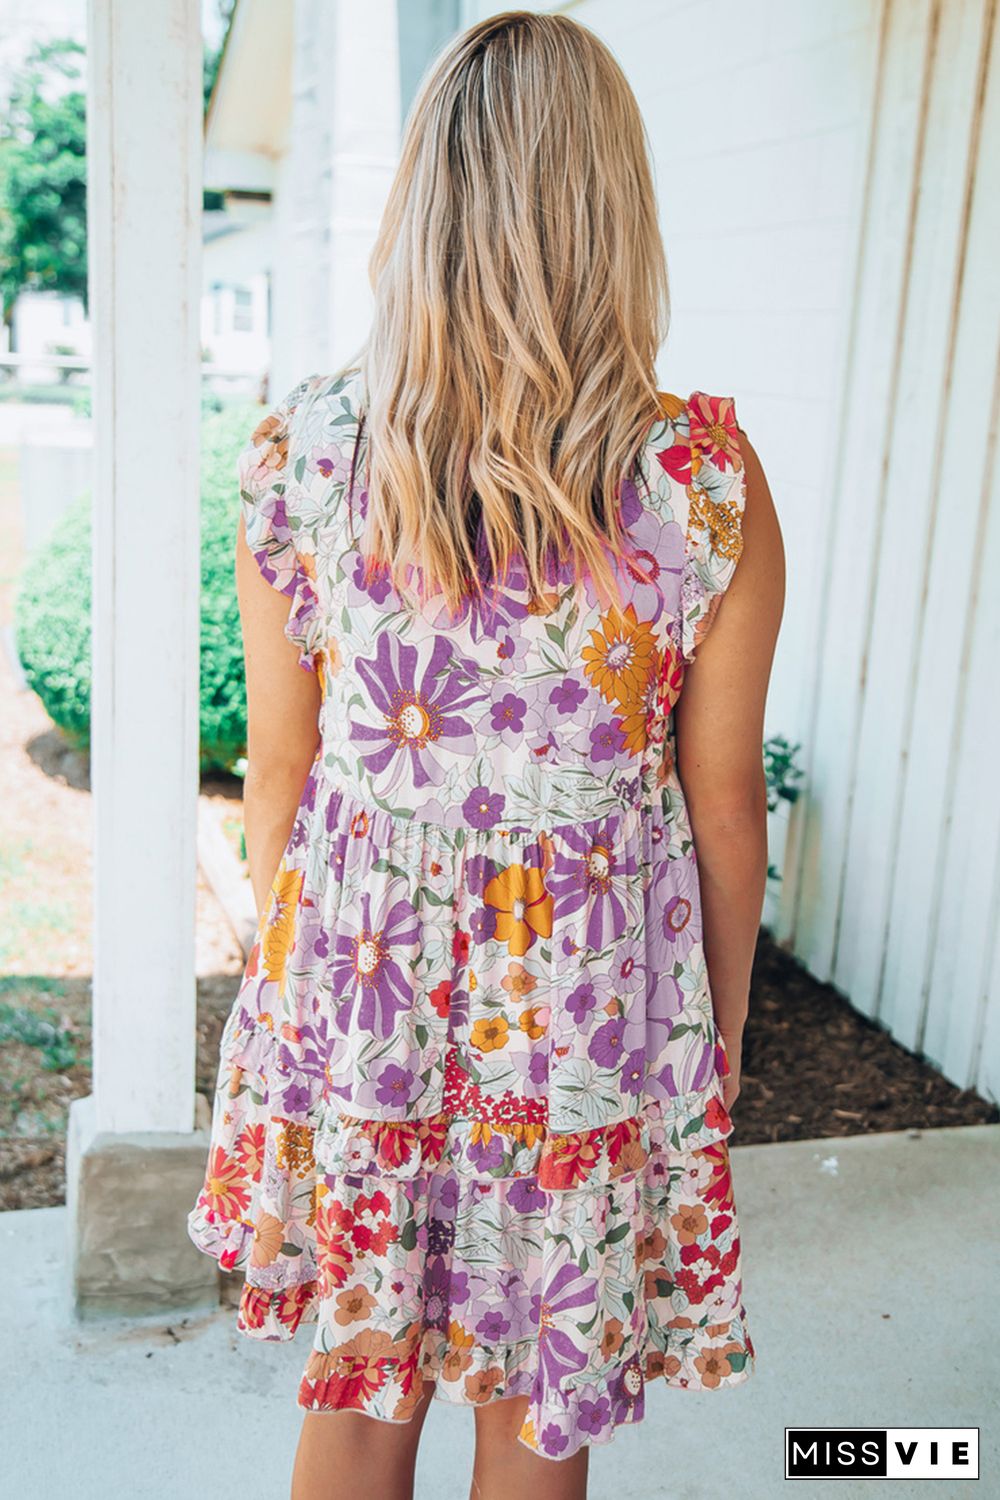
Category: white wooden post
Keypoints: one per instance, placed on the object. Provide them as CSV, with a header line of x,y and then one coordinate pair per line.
x,y
134,1156
145,246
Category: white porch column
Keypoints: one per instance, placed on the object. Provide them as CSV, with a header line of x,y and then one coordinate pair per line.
x,y
134,1155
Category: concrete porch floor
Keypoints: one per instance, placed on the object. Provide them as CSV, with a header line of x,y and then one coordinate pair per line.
x,y
871,1282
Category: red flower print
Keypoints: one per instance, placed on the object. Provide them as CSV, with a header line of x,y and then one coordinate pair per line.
x,y
225,1193
441,998
676,461
714,433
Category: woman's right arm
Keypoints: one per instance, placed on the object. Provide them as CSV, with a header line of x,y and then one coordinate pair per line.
x,y
719,721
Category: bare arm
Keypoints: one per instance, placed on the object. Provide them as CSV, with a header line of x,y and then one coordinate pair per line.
x,y
719,721
283,704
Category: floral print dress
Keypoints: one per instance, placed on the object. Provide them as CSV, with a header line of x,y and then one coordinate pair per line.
x,y
469,1120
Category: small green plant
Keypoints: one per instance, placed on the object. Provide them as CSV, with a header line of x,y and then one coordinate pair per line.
x,y
783,776
42,1030
782,773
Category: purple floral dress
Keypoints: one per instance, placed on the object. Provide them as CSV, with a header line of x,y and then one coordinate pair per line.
x,y
469,1121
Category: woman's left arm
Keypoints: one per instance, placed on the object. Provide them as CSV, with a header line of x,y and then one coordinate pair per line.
x,y
283,704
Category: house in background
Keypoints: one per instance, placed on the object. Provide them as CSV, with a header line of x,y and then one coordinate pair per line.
x,y
828,178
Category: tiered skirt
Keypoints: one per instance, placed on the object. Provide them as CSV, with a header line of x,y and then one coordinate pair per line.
x,y
559,1238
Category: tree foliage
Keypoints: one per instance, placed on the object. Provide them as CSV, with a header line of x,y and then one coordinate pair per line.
x,y
43,176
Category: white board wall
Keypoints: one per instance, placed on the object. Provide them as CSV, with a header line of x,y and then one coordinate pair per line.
x,y
828,177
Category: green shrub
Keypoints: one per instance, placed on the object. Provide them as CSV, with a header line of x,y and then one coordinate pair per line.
x,y
52,606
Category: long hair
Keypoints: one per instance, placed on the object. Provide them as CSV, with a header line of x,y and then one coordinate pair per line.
x,y
520,290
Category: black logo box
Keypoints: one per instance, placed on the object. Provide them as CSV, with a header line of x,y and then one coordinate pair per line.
x,y
862,1452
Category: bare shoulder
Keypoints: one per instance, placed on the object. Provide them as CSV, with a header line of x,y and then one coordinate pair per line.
x,y
762,561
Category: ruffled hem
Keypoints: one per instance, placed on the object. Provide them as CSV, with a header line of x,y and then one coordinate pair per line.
x,y
275,1137
372,1375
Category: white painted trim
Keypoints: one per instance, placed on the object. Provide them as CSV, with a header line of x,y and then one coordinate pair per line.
x,y
144,181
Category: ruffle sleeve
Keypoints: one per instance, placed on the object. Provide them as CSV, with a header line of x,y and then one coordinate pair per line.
x,y
716,504
273,530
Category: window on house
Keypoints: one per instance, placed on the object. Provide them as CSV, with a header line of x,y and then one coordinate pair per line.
x,y
242,310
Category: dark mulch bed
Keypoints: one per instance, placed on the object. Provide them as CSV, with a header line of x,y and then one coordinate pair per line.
x,y
812,1067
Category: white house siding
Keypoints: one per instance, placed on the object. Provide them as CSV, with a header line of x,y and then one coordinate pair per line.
x,y
332,182
829,181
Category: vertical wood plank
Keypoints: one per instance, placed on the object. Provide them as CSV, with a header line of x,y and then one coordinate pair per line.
x,y
932,955
902,556
871,379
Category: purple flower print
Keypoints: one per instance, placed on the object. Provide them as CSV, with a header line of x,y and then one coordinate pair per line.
x,y
483,808
657,551
488,613
295,1099
570,1291
606,741
551,1439
436,1294
421,719
628,973
588,873
538,1067
488,1155
674,902
364,975
525,1196
593,1414
378,587
394,1085
483,924
440,1236
507,717
444,1191
479,871
633,1075
581,1002
567,696
332,463
493,1326
607,1045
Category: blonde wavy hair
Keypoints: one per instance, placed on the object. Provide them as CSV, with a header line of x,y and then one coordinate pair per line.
x,y
521,296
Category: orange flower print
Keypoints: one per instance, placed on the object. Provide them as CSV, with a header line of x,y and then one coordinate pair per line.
x,y
690,1222
713,1364
268,1238
517,981
535,1021
490,1034
458,1358
523,907
622,658
334,656
354,1303
226,1192
270,438
279,930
